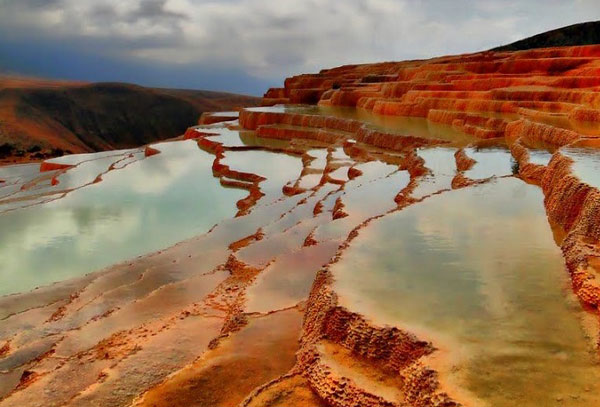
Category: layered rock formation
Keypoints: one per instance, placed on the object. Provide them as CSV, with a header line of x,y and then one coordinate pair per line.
x,y
256,293
543,98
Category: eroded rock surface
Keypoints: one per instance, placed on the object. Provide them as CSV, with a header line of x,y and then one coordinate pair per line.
x,y
274,306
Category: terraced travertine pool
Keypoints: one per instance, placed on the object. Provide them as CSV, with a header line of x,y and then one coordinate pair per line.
x,y
477,272
142,206
153,269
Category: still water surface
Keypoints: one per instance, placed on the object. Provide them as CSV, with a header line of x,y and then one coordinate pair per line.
x,y
150,204
477,272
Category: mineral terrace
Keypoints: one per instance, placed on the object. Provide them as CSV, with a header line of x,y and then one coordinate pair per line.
x,y
419,233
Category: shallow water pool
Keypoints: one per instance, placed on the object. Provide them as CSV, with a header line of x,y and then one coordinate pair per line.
x,y
148,205
476,271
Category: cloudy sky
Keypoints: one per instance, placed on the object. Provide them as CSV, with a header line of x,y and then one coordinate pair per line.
x,y
247,45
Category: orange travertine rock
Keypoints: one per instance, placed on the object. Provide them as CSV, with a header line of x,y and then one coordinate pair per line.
x,y
48,166
463,161
338,209
544,99
459,90
527,170
317,352
354,172
386,348
574,206
227,373
150,151
533,89
5,348
193,133
212,117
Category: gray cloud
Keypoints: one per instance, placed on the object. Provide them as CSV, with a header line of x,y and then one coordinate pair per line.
x,y
103,13
155,10
33,4
276,38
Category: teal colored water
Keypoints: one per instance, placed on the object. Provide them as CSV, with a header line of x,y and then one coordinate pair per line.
x,y
148,205
476,271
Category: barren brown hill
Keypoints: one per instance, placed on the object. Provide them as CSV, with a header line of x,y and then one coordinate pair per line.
x,y
41,118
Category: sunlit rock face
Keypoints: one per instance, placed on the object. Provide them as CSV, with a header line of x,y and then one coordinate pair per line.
x,y
421,233
554,85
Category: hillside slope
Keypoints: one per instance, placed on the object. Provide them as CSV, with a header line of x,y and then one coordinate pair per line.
x,y
41,118
576,34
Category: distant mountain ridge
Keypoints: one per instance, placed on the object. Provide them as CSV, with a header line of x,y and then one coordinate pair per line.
x,y
41,117
577,34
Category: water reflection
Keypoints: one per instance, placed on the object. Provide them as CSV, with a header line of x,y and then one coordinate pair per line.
x,y
277,168
148,205
412,126
586,164
490,162
477,272
540,157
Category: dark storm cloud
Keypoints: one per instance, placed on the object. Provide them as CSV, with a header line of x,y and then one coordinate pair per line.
x,y
260,40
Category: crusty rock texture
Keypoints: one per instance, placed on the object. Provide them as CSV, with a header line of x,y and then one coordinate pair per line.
x,y
171,327
542,98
